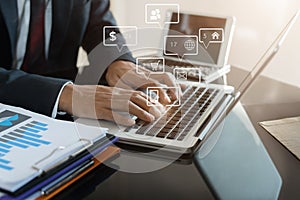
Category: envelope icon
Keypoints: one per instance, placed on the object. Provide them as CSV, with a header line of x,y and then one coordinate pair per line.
x,y
182,75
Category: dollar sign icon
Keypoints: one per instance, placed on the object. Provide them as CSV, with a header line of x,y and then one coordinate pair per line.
x,y
113,36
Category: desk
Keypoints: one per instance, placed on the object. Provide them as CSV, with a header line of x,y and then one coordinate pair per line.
x,y
178,181
268,100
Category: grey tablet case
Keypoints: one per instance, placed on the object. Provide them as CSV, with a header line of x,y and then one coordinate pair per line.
x,y
235,163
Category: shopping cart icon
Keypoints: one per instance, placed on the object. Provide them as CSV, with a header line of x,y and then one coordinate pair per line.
x,y
155,66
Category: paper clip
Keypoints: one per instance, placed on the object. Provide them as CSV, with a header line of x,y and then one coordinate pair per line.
x,y
59,160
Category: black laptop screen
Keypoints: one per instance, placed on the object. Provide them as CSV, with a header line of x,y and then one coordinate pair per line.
x,y
209,33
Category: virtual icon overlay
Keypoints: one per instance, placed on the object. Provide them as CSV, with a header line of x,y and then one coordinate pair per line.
x,y
154,65
209,36
112,36
181,45
148,65
187,74
153,95
155,13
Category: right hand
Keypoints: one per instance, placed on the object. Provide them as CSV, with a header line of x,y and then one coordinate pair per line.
x,y
102,102
123,74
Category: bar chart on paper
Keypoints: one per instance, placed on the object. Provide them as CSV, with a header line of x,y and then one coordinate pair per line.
x,y
31,144
16,137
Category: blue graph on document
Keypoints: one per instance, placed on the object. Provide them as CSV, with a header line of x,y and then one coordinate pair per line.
x,y
27,136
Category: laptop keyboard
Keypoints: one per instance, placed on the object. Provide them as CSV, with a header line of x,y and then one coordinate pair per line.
x,y
176,123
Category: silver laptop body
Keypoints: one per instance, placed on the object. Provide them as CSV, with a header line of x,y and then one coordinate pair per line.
x,y
201,109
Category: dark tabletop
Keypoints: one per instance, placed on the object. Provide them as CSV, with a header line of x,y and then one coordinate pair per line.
x,y
266,100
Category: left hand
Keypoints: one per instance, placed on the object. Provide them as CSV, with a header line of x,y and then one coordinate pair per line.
x,y
123,74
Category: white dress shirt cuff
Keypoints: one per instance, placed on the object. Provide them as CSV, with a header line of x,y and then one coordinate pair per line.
x,y
55,109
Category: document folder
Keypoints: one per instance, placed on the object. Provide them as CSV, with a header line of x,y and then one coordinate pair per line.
x,y
32,145
99,159
37,184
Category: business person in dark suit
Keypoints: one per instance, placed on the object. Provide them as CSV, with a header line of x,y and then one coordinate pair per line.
x,y
38,53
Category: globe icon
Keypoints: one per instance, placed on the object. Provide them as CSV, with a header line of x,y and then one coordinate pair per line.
x,y
189,45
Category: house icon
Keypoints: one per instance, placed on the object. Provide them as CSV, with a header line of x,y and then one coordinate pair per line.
x,y
215,36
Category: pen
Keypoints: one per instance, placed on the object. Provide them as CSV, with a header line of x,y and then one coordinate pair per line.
x,y
66,178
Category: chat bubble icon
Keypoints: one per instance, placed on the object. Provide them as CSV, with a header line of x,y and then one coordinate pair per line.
x,y
153,65
211,35
155,13
187,74
181,45
153,94
112,37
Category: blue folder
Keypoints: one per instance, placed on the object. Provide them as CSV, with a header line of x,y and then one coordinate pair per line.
x,y
37,184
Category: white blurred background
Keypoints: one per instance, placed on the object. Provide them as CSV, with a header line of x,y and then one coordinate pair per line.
x,y
258,24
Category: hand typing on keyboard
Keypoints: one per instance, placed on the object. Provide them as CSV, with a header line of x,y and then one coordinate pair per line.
x,y
122,74
123,98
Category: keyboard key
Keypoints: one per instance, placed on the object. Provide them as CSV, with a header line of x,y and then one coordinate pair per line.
x,y
172,121
181,137
151,133
172,135
184,123
176,118
161,135
166,130
142,130
169,126
185,133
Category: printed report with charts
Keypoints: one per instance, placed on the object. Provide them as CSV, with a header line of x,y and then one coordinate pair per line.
x,y
31,144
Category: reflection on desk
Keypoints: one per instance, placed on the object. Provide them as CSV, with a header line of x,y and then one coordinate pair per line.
x,y
276,100
235,163
179,181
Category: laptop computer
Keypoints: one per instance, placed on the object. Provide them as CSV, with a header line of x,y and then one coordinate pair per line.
x,y
214,34
189,120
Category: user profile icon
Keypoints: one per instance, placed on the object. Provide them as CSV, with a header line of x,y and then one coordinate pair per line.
x,y
154,13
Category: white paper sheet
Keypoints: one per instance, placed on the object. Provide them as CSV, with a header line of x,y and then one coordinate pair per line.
x,y
287,132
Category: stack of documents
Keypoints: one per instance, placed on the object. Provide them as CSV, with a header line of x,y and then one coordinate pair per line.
x,y
98,160
33,144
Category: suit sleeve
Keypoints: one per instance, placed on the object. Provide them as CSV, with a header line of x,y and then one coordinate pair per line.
x,y
101,16
32,92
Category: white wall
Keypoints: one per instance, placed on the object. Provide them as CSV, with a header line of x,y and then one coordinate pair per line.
x,y
258,23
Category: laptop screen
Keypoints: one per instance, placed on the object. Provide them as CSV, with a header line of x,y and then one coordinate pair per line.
x,y
200,26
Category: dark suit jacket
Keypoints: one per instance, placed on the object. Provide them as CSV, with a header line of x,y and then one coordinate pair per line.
x,y
75,23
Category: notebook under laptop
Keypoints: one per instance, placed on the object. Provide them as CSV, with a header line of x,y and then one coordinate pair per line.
x,y
188,120
213,33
